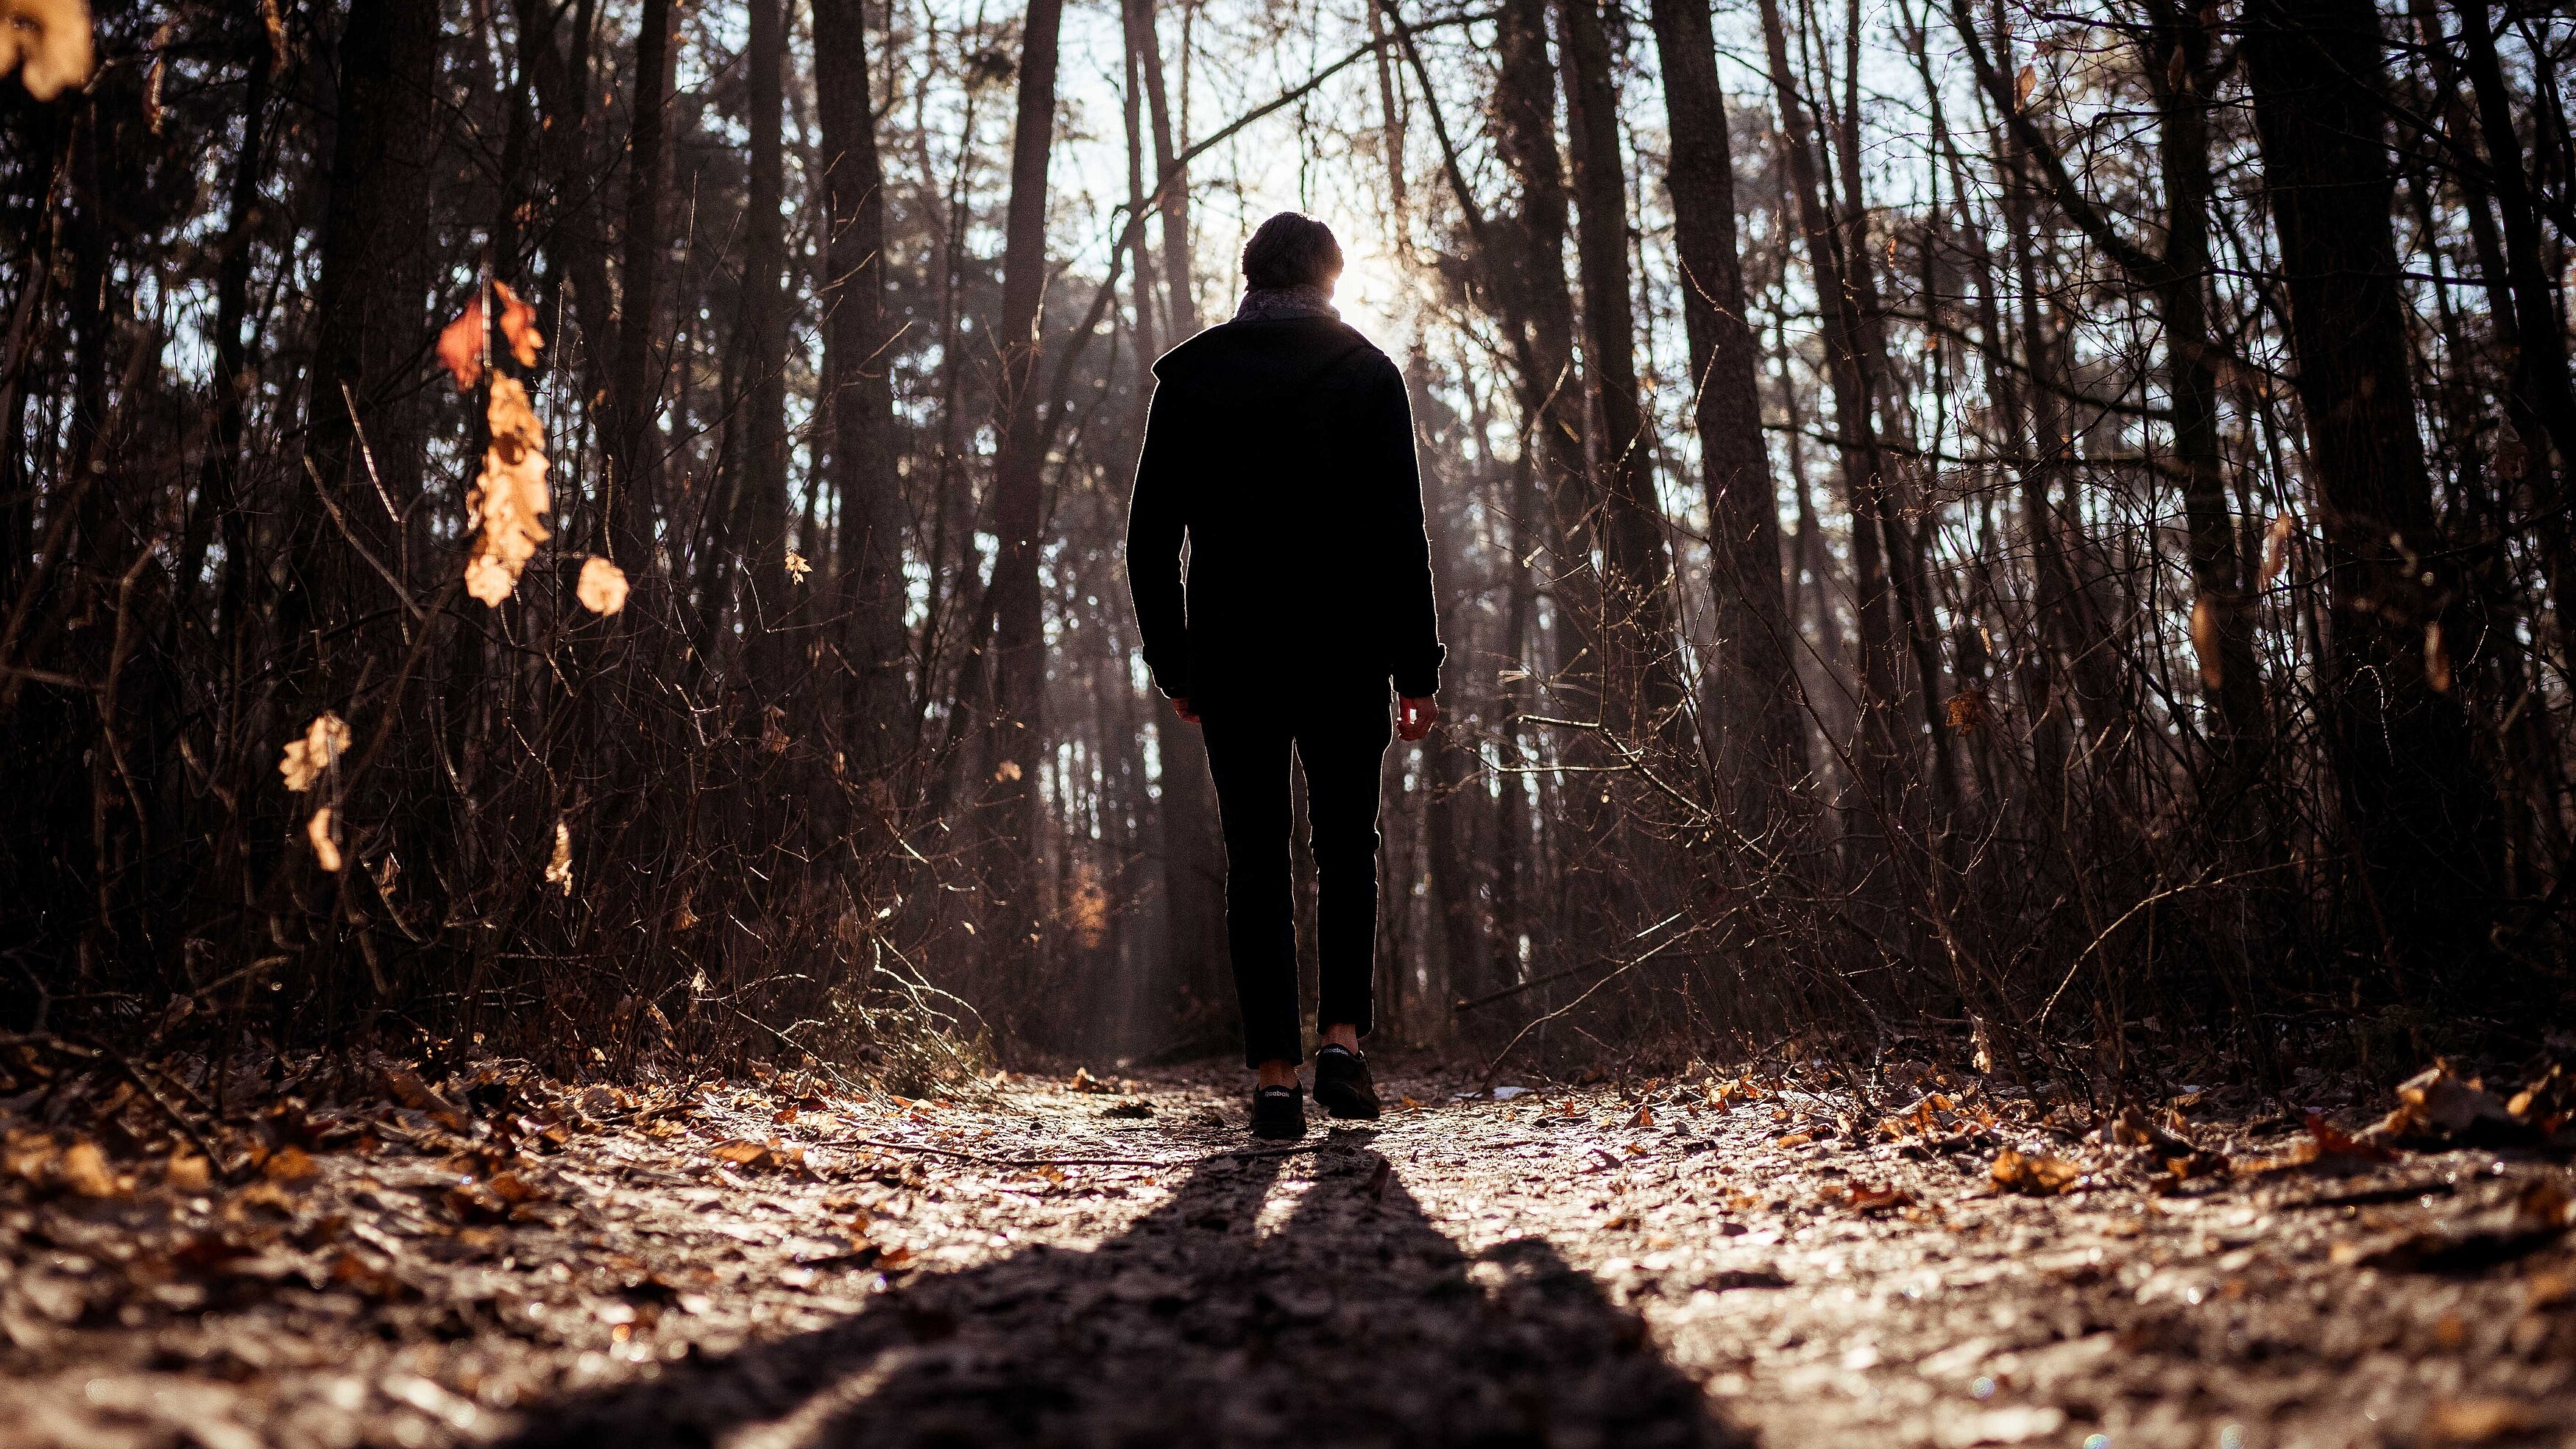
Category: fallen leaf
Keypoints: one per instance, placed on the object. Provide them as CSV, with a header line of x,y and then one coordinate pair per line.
x,y
1868,1200
1794,1139
406,1087
289,1164
188,1172
2477,1421
2034,1173
2548,1290
350,1271
742,1153
84,1170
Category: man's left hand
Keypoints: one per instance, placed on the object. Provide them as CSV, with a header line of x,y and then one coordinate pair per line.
x,y
1414,718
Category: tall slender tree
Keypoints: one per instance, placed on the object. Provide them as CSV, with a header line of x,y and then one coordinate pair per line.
x,y
2419,808
1752,682
859,392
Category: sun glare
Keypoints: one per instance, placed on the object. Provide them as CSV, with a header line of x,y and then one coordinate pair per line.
x,y
1374,296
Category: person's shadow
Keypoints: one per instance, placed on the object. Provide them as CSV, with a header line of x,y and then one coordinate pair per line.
x,y
1353,1322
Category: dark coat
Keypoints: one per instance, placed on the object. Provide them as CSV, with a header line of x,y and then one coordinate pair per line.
x,y
1282,451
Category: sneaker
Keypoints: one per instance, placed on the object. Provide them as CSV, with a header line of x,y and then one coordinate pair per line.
x,y
1279,1114
1342,1085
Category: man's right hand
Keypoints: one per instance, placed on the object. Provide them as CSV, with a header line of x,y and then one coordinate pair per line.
x,y
1182,708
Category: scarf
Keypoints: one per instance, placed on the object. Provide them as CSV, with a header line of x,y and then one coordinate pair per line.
x,y
1267,304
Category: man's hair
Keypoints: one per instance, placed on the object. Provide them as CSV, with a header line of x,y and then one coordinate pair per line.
x,y
1292,249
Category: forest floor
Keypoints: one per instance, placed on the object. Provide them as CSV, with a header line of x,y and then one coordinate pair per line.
x,y
1716,1260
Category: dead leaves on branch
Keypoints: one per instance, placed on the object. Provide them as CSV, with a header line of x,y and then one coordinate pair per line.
x,y
463,344
325,741
508,497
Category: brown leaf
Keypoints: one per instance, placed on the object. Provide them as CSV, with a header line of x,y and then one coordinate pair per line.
x,y
350,1271
84,1170
2437,659
508,495
2276,549
188,1172
325,741
518,325
742,1153
559,865
289,1164
326,849
1967,710
2035,1173
2205,640
2023,85
1868,1201
602,589
406,1087
2477,1421
460,346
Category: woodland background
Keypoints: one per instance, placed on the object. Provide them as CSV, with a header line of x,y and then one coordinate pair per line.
x,y
2044,525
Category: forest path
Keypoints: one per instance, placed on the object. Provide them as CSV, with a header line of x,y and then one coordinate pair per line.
x,y
735,1265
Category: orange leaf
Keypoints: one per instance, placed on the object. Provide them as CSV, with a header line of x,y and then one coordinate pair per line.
x,y
519,325
460,346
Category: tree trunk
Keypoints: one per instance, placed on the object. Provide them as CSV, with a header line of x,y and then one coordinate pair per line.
x,y
2419,808
869,553
1876,754
636,384
1760,725
1172,184
1017,662
218,516
1528,278
2535,333
2178,75
1641,687
771,653
370,322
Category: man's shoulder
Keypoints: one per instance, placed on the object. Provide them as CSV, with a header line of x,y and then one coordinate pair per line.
x,y
1338,346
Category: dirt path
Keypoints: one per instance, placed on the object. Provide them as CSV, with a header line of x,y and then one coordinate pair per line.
x,y
735,1265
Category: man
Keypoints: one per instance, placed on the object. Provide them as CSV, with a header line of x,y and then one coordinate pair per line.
x,y
1280,449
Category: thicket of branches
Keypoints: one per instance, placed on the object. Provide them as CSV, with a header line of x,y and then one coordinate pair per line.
x,y
2052,525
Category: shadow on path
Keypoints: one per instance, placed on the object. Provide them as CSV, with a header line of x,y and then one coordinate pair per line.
x,y
1355,1322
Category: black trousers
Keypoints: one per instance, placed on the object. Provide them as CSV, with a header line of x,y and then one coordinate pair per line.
x,y
1339,737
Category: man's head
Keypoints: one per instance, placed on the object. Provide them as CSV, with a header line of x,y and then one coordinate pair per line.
x,y
1292,250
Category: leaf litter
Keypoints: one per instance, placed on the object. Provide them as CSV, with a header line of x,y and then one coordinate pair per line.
x,y
410,1254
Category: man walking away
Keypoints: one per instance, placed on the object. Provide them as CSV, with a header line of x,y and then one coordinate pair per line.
x,y
1280,449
